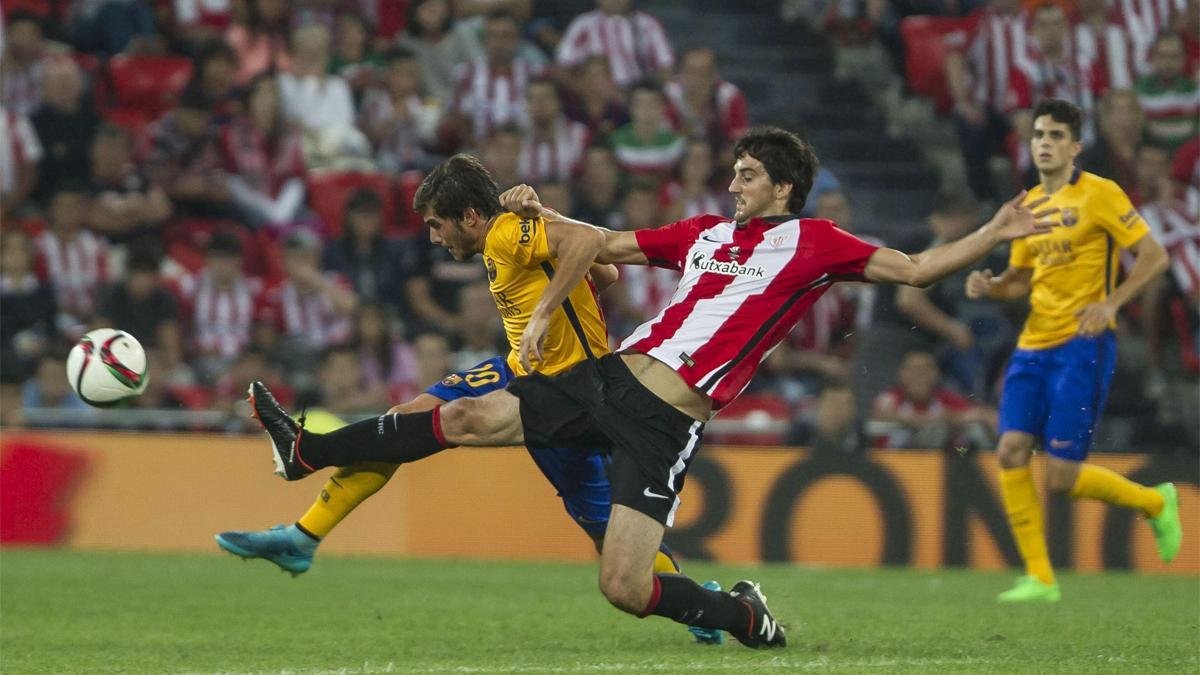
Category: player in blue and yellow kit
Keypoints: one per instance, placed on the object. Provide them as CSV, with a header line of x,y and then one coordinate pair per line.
x,y
460,203
1057,380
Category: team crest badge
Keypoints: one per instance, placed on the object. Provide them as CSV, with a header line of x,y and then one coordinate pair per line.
x,y
735,251
1070,216
491,269
451,380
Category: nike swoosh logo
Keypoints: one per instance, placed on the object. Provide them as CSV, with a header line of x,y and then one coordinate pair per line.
x,y
655,495
713,241
1055,443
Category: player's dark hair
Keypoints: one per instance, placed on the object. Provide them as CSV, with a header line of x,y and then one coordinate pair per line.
x,y
114,132
457,185
786,157
1063,112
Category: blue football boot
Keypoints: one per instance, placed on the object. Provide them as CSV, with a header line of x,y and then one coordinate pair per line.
x,y
286,546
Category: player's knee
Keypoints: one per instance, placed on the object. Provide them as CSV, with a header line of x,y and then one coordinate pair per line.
x,y
1060,481
624,591
1013,452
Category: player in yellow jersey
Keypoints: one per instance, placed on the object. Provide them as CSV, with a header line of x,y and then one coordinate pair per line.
x,y
460,203
1057,380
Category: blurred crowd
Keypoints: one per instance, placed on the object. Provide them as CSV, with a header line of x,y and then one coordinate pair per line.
x,y
231,182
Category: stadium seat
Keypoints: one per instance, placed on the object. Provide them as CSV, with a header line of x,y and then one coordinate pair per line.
x,y
752,419
925,56
148,83
407,222
329,190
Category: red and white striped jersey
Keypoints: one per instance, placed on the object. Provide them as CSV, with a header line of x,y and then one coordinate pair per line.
x,y
742,291
308,315
1143,21
556,159
221,319
18,145
726,120
77,267
635,43
266,164
1176,225
488,98
1112,51
992,46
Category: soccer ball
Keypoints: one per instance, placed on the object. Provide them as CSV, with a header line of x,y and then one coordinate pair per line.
x,y
107,367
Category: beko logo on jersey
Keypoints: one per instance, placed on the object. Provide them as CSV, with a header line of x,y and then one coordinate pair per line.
x,y
704,263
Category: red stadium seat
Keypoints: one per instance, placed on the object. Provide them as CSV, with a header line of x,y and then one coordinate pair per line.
x,y
329,190
752,419
925,55
408,222
148,83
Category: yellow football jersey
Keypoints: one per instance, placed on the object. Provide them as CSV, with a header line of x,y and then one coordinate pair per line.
x,y
517,256
1075,264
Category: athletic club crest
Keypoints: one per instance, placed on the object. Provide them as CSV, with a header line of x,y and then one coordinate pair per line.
x,y
735,251
1070,216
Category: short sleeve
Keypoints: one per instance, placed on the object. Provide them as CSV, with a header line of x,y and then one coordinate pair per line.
x,y
666,246
1018,254
520,242
1116,214
845,255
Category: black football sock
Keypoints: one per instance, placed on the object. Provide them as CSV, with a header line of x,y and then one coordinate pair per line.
x,y
395,438
680,599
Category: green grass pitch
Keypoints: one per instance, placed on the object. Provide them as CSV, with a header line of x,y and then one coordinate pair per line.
x,y
70,612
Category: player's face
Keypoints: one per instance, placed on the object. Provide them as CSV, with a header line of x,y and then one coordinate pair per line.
x,y
753,191
1052,146
456,236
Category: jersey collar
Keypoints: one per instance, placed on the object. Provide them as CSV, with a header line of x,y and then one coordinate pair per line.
x,y
764,223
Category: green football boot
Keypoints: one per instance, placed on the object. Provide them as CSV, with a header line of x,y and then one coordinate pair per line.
x,y
1030,589
1167,531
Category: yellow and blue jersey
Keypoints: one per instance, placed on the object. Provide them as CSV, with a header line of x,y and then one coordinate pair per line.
x,y
517,256
1075,264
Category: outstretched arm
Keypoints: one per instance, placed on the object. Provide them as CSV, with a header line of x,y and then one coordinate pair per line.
x,y
1012,221
619,247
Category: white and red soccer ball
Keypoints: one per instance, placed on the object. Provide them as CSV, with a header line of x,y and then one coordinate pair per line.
x,y
107,367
